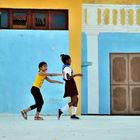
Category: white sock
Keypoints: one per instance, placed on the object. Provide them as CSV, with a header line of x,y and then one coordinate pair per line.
x,y
65,108
74,109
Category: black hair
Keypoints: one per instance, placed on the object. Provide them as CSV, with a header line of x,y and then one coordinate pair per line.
x,y
41,64
64,58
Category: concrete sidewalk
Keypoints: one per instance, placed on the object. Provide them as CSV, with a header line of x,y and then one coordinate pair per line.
x,y
13,127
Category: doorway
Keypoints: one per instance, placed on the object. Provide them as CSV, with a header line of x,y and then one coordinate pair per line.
x,y
125,83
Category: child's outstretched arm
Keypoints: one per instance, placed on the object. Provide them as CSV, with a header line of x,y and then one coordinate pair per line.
x,y
69,77
53,81
53,74
50,74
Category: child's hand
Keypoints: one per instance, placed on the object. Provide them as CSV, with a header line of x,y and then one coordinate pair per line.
x,y
60,83
80,74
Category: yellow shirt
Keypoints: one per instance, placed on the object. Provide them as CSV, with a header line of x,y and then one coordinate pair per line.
x,y
38,81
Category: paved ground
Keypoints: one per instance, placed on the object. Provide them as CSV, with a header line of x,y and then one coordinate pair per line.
x,y
13,127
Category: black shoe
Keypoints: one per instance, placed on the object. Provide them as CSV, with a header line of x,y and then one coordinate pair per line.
x,y
74,117
59,114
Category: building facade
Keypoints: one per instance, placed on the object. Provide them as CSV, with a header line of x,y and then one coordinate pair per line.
x,y
102,37
111,40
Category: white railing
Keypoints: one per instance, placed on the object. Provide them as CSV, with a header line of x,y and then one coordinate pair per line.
x,y
103,16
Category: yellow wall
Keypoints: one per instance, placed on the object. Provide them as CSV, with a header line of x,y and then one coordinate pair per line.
x,y
75,21
112,1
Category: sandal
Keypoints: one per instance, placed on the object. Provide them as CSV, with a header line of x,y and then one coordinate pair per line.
x,y
38,118
24,114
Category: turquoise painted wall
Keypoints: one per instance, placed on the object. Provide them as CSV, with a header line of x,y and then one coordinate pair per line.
x,y
112,43
20,53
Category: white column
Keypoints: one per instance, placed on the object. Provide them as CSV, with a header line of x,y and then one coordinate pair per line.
x,y
110,17
93,78
119,16
127,17
135,17
102,16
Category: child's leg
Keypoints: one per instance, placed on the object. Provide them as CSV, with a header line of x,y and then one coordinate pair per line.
x,y
24,112
74,101
63,109
28,109
32,106
74,107
74,104
38,101
39,104
66,107
37,116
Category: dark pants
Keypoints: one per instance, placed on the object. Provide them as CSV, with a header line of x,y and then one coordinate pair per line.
x,y
38,99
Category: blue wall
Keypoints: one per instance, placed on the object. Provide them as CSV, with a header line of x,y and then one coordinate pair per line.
x,y
112,43
20,53
84,107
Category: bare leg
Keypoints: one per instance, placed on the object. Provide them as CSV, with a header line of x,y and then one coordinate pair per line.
x,y
27,110
37,116
24,113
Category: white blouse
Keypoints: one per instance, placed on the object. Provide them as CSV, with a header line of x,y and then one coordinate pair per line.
x,y
67,70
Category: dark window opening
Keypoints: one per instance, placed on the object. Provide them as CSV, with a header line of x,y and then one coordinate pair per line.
x,y
19,20
4,20
59,20
34,19
40,20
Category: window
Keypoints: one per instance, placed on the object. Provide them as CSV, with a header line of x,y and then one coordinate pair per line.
x,y
19,20
3,19
59,20
40,20
34,19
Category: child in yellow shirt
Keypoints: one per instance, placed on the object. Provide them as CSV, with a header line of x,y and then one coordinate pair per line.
x,y
35,90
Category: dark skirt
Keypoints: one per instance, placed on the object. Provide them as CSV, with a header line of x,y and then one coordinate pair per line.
x,y
70,88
